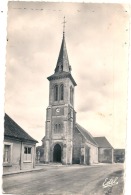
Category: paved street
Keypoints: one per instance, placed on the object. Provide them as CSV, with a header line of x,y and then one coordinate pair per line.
x,y
64,180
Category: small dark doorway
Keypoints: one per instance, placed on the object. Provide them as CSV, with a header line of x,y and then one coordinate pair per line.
x,y
57,153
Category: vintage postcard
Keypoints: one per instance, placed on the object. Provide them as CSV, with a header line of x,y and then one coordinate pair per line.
x,y
66,90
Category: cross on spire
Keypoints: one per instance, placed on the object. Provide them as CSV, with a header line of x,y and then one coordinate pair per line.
x,y
64,25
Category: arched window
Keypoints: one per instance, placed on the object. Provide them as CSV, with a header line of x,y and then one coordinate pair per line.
x,y
55,128
56,93
61,92
71,95
59,128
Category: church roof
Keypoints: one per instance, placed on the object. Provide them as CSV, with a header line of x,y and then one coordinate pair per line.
x,y
63,61
13,130
58,75
102,142
86,134
63,68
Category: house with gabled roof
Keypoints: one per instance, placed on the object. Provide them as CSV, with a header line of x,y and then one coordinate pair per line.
x,y
19,147
105,150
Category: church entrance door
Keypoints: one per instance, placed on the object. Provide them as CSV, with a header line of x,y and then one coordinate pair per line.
x,y
57,153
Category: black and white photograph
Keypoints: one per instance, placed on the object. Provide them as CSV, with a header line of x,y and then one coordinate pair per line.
x,y
66,91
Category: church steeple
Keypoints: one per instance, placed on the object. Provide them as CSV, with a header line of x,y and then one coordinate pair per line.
x,y
60,117
63,61
63,68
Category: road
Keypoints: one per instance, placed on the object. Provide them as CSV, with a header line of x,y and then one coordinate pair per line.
x,y
66,180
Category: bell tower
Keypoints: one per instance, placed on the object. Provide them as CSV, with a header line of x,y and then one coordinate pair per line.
x,y
60,114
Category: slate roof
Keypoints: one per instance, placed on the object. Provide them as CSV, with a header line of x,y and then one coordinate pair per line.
x,y
119,151
86,134
63,58
59,75
13,130
63,68
102,142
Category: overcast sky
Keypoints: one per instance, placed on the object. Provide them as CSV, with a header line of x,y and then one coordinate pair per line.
x,y
97,45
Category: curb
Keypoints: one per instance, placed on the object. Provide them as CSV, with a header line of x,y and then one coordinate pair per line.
x,y
24,171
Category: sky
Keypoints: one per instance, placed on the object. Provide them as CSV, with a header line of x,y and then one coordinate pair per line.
x,y
97,40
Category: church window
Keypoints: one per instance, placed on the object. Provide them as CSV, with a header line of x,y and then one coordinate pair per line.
x,y
27,154
61,92
71,95
59,128
56,92
55,128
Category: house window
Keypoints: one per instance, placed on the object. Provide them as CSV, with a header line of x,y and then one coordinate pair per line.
x,y
27,154
7,149
7,153
56,93
61,92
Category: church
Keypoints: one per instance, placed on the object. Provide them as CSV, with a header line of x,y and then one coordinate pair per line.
x,y
65,140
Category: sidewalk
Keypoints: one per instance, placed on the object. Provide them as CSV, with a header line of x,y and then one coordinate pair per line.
x,y
37,168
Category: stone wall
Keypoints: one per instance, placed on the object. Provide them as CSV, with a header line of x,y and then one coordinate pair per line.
x,y
83,152
77,141
105,155
60,120
93,153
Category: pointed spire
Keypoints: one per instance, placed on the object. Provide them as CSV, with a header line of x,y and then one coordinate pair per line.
x,y
63,61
